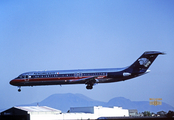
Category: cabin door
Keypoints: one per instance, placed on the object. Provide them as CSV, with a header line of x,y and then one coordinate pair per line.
x,y
26,77
78,75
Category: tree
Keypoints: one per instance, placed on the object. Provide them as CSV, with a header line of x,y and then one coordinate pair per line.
x,y
170,114
161,113
146,113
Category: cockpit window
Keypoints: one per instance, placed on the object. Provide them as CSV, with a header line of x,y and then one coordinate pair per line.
x,y
20,77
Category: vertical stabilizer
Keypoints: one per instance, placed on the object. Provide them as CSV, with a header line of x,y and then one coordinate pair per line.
x,y
143,62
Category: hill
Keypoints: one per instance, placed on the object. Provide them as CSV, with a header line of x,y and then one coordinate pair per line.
x,y
63,102
141,106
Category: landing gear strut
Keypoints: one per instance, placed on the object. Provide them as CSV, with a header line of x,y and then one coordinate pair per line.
x,y
19,90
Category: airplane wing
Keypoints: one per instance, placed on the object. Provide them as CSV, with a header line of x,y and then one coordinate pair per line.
x,y
88,80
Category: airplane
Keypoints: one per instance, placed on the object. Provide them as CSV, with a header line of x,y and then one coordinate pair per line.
x,y
90,77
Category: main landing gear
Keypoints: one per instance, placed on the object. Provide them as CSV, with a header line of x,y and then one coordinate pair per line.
x,y
89,87
19,90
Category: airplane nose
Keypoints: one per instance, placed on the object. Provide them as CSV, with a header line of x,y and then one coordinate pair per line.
x,y
12,82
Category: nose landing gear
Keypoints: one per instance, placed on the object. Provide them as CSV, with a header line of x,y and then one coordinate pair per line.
x,y
19,90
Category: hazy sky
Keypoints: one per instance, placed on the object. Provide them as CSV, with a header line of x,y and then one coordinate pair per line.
x,y
79,34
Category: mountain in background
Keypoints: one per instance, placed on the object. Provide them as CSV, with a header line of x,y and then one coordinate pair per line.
x,y
63,102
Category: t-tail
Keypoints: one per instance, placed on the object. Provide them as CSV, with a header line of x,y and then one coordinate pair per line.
x,y
141,65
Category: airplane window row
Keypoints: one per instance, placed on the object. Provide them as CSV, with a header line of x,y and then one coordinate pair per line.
x,y
68,75
62,75
57,75
90,74
45,73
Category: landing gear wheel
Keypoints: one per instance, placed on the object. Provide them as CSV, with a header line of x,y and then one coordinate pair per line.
x,y
19,90
89,87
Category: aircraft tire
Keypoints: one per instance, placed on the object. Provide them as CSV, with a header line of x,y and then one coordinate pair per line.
x,y
19,90
89,87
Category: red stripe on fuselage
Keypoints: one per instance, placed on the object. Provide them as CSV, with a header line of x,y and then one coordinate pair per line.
x,y
15,81
48,79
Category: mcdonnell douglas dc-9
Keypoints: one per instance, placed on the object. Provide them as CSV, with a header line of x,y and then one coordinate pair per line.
x,y
89,77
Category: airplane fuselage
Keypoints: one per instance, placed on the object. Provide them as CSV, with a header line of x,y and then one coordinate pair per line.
x,y
60,77
87,76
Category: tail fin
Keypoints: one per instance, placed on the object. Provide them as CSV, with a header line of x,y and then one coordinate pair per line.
x,y
143,62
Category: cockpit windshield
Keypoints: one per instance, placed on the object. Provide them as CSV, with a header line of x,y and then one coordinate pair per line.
x,y
20,77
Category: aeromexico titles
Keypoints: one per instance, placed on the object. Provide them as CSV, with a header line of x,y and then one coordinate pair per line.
x,y
89,77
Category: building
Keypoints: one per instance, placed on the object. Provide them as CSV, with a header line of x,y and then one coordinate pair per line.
x,y
47,113
134,113
30,113
101,111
